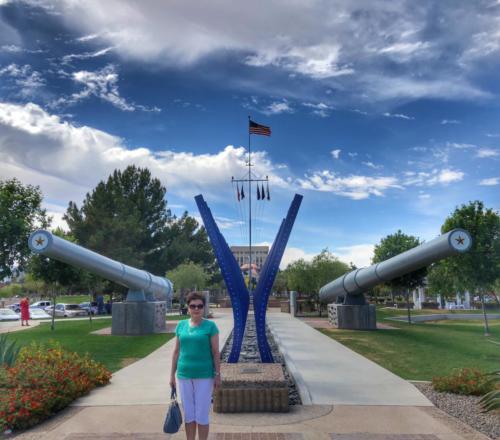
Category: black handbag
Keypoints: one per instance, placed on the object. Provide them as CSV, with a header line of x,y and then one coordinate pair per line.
x,y
173,420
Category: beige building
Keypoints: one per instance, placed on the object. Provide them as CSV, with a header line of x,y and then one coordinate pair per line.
x,y
259,255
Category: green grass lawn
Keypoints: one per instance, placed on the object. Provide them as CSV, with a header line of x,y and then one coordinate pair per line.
x,y
422,351
114,352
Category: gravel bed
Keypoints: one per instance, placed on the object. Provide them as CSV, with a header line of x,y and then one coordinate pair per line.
x,y
250,354
464,408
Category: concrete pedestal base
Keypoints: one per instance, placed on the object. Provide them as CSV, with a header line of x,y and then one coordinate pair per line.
x,y
352,317
138,318
251,388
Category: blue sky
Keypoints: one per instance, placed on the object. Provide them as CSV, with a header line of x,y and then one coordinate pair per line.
x,y
384,115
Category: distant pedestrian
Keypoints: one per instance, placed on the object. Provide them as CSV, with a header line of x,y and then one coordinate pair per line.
x,y
25,311
196,360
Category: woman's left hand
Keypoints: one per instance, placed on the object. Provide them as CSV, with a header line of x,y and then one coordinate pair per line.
x,y
217,381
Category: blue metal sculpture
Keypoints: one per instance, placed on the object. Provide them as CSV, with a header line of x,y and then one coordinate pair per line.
x,y
267,277
236,285
232,276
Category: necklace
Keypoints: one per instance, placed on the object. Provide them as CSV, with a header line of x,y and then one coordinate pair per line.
x,y
192,326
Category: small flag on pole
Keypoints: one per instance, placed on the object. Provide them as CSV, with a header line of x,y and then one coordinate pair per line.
x,y
242,192
238,192
268,195
262,193
258,193
255,128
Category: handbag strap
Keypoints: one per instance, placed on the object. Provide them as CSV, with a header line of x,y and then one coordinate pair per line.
x,y
173,394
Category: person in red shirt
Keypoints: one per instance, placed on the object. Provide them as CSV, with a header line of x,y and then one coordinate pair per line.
x,y
25,310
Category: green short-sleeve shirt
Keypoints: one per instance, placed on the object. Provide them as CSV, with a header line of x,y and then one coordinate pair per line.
x,y
195,357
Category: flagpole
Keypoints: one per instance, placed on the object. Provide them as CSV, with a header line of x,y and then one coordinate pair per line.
x,y
249,212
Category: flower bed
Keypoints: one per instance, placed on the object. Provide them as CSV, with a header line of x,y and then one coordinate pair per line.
x,y
44,380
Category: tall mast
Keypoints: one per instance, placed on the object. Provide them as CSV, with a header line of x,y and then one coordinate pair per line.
x,y
249,212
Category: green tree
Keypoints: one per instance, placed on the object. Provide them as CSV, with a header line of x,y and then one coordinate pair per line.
x,y
309,277
188,276
280,282
20,213
476,270
186,240
124,218
391,246
440,280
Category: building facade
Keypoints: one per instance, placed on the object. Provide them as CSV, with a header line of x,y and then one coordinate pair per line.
x,y
242,255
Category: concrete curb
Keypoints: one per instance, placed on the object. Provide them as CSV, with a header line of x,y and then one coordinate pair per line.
x,y
304,392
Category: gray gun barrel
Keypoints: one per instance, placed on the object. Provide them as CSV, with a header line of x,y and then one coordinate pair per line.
x,y
46,243
361,280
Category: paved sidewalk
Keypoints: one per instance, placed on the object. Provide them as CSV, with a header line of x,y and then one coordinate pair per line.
x,y
134,405
146,382
327,372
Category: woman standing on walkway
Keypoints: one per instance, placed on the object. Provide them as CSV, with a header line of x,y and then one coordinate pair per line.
x,y
196,360
25,310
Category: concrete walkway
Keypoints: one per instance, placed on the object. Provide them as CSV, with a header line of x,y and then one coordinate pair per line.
x,y
134,405
327,372
146,382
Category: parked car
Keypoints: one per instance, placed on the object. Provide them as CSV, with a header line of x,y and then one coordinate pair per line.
x,y
90,307
15,307
41,304
66,310
8,315
36,313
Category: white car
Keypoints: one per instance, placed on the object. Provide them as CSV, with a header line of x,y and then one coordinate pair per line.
x,y
67,310
38,314
8,315
41,304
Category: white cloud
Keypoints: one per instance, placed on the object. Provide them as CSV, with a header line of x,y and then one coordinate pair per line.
x,y
27,80
275,108
335,153
492,181
360,254
292,254
354,186
450,121
102,84
320,109
66,59
351,154
68,160
350,46
435,177
372,165
461,146
487,152
398,115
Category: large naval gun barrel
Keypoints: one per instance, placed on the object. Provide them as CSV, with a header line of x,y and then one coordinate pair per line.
x,y
141,284
358,281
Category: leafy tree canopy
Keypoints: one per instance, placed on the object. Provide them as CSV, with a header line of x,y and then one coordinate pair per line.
x,y
308,277
479,268
20,214
126,219
188,275
393,245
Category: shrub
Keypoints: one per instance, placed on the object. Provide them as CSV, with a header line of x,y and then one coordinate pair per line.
x,y
491,401
468,381
44,380
8,351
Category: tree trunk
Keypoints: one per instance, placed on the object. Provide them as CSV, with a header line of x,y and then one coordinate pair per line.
x,y
486,327
54,296
408,305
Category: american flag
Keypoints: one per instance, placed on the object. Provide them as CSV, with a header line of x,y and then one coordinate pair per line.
x,y
259,129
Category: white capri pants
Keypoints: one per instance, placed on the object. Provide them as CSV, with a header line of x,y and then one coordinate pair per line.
x,y
196,398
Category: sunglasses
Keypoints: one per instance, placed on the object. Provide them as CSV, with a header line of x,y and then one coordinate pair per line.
x,y
196,306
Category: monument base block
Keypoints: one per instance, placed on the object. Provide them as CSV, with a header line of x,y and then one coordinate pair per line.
x,y
138,318
251,388
352,317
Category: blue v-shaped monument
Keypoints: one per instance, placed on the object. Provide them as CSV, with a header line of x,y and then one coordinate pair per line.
x,y
238,292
